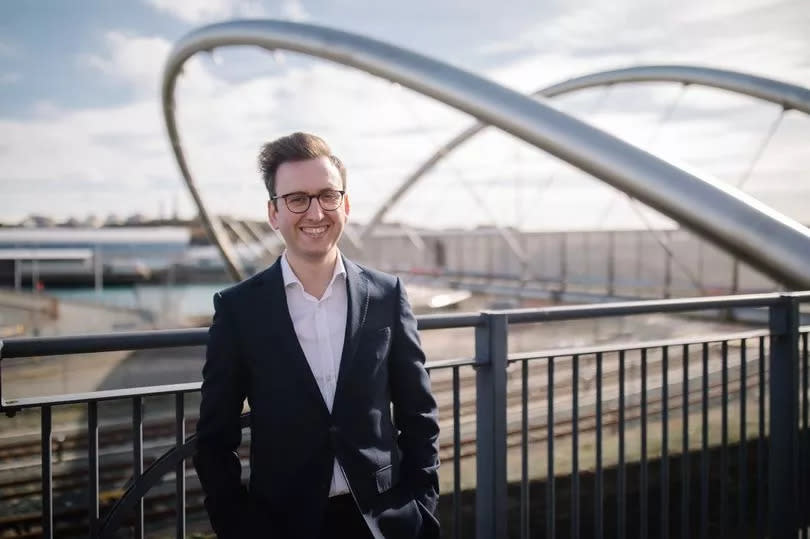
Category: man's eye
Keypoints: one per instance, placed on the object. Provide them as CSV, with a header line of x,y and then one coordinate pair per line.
x,y
330,196
297,200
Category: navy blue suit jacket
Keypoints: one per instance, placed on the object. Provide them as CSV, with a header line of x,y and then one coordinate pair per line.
x,y
390,462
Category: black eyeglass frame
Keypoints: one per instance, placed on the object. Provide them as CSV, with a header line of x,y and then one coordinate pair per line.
x,y
310,197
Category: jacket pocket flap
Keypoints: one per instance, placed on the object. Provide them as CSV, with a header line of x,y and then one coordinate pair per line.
x,y
384,478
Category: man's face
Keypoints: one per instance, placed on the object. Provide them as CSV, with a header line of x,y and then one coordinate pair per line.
x,y
314,234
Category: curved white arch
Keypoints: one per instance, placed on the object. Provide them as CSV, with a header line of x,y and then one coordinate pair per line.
x,y
789,96
769,241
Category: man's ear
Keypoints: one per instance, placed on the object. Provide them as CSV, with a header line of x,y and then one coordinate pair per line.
x,y
272,214
346,205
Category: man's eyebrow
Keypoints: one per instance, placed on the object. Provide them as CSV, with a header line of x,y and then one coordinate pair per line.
x,y
325,189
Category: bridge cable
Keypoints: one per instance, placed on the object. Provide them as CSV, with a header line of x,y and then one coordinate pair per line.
x,y
634,204
508,237
651,140
430,209
438,202
761,149
595,107
735,269
517,176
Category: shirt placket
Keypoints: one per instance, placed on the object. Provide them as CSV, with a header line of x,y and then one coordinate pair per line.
x,y
325,353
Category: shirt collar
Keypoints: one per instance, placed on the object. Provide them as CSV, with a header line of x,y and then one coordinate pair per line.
x,y
291,278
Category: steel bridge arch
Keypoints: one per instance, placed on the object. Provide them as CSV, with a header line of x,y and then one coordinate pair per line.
x,y
788,96
774,244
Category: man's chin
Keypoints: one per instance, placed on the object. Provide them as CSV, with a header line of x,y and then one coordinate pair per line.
x,y
315,254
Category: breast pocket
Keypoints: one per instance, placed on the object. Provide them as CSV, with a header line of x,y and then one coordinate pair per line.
x,y
372,353
377,341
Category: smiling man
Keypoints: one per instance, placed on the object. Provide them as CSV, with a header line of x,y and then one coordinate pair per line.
x,y
321,348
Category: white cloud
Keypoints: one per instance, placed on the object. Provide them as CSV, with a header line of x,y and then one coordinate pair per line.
x,y
118,158
134,60
9,78
294,10
713,11
7,50
197,11
138,61
767,37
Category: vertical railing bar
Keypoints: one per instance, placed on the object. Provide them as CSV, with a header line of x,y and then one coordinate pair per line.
x,y
92,467
805,460
621,524
575,446
180,472
643,492
665,442
137,458
685,454
743,454
724,439
47,471
797,432
762,478
456,456
598,495
704,445
524,448
551,511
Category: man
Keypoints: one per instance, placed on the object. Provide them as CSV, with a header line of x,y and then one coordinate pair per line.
x,y
323,349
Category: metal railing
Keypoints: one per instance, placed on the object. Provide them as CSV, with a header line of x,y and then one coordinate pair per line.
x,y
595,400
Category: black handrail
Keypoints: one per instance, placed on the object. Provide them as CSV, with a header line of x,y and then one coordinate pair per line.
x,y
784,363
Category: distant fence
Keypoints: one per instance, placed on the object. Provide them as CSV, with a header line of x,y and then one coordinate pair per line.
x,y
630,263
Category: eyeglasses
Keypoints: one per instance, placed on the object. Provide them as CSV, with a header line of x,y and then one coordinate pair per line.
x,y
330,200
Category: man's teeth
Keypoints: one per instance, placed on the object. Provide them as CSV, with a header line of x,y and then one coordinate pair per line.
x,y
314,230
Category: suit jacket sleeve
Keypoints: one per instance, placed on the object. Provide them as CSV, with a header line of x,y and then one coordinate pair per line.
x,y
218,430
415,411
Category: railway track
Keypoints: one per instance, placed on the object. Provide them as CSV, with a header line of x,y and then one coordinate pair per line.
x,y
69,485
163,426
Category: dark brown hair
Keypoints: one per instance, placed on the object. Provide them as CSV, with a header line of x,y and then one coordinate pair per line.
x,y
296,147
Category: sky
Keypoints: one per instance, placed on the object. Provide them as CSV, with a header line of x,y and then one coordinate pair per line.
x,y
82,133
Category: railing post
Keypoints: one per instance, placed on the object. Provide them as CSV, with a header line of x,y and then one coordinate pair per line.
x,y
490,383
784,403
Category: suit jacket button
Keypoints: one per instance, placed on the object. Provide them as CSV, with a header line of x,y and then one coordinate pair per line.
x,y
333,431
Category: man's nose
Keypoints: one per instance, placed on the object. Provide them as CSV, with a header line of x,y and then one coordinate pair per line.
x,y
315,212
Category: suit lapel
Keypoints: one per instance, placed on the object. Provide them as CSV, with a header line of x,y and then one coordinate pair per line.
x,y
357,307
283,334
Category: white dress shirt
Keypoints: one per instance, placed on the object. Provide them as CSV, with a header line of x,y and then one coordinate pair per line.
x,y
320,325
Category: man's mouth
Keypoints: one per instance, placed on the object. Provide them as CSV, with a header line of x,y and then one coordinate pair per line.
x,y
314,231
